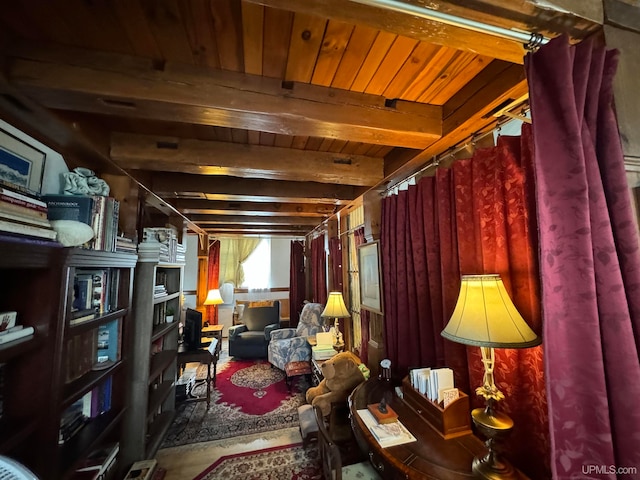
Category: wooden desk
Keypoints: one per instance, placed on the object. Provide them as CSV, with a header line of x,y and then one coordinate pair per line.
x,y
201,355
430,457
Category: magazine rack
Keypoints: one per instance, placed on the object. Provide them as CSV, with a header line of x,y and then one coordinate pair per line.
x,y
450,422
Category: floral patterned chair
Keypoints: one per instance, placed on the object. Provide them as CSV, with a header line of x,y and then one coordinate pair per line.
x,y
290,344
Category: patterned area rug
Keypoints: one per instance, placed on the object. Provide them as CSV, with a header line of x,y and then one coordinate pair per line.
x,y
283,462
250,397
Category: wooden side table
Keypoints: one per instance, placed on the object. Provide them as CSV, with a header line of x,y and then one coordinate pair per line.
x,y
200,355
213,331
316,371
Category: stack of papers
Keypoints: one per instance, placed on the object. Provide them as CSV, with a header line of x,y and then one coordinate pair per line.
x,y
387,434
432,382
322,352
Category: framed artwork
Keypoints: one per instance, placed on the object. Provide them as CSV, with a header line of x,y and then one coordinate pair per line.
x,y
21,165
370,278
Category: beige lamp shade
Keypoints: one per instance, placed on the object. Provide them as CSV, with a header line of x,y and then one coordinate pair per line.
x,y
485,316
335,307
213,297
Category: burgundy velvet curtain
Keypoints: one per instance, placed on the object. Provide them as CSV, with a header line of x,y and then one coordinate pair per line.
x,y
472,218
589,261
296,281
318,270
213,279
335,266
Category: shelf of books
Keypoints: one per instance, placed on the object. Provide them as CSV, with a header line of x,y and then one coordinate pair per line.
x,y
62,377
157,303
92,398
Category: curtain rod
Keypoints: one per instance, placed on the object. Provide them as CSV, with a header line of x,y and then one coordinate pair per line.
x,y
530,40
435,160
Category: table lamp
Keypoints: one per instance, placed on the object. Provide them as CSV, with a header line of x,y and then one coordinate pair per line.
x,y
486,317
336,309
213,298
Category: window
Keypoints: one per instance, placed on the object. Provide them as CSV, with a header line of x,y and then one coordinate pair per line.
x,y
257,267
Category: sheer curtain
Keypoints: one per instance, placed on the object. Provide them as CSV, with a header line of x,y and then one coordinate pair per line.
x,y
472,218
233,252
589,261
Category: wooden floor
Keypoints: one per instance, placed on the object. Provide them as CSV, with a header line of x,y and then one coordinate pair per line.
x,y
187,461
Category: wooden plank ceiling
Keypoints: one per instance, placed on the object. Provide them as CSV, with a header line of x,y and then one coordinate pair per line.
x,y
259,116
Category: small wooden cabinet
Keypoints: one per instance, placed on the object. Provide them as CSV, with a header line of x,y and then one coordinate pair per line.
x,y
48,377
153,370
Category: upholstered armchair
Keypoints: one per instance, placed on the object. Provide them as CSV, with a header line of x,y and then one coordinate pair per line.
x,y
251,338
290,344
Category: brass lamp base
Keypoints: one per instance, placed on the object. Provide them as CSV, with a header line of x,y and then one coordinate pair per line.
x,y
495,426
338,347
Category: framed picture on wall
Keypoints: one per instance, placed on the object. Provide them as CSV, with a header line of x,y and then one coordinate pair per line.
x,y
21,165
370,277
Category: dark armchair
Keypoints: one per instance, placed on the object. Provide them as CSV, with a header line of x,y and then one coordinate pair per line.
x,y
251,338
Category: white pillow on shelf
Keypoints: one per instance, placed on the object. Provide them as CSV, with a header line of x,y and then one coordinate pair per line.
x,y
72,233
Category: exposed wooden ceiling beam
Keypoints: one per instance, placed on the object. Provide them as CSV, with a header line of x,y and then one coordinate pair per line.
x,y
404,25
233,229
213,207
185,185
205,221
526,15
157,153
115,84
467,112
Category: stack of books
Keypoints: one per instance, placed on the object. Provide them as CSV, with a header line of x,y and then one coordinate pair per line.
x,y
9,331
101,213
127,245
168,238
24,214
72,422
181,253
159,291
98,463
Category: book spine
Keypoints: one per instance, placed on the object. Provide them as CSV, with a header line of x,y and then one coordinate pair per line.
x,y
23,219
35,231
70,207
23,203
15,334
5,192
8,206
98,222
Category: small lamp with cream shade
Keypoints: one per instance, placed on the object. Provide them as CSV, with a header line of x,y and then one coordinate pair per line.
x,y
486,317
336,309
213,298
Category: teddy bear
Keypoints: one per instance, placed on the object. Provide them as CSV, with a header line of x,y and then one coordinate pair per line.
x,y
342,373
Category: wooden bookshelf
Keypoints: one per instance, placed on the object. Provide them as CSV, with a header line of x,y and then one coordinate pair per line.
x,y
152,373
37,281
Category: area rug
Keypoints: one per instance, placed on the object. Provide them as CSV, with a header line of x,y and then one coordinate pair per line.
x,y
249,397
283,462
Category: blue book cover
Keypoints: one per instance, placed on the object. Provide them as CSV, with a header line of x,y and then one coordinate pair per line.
x,y
108,342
